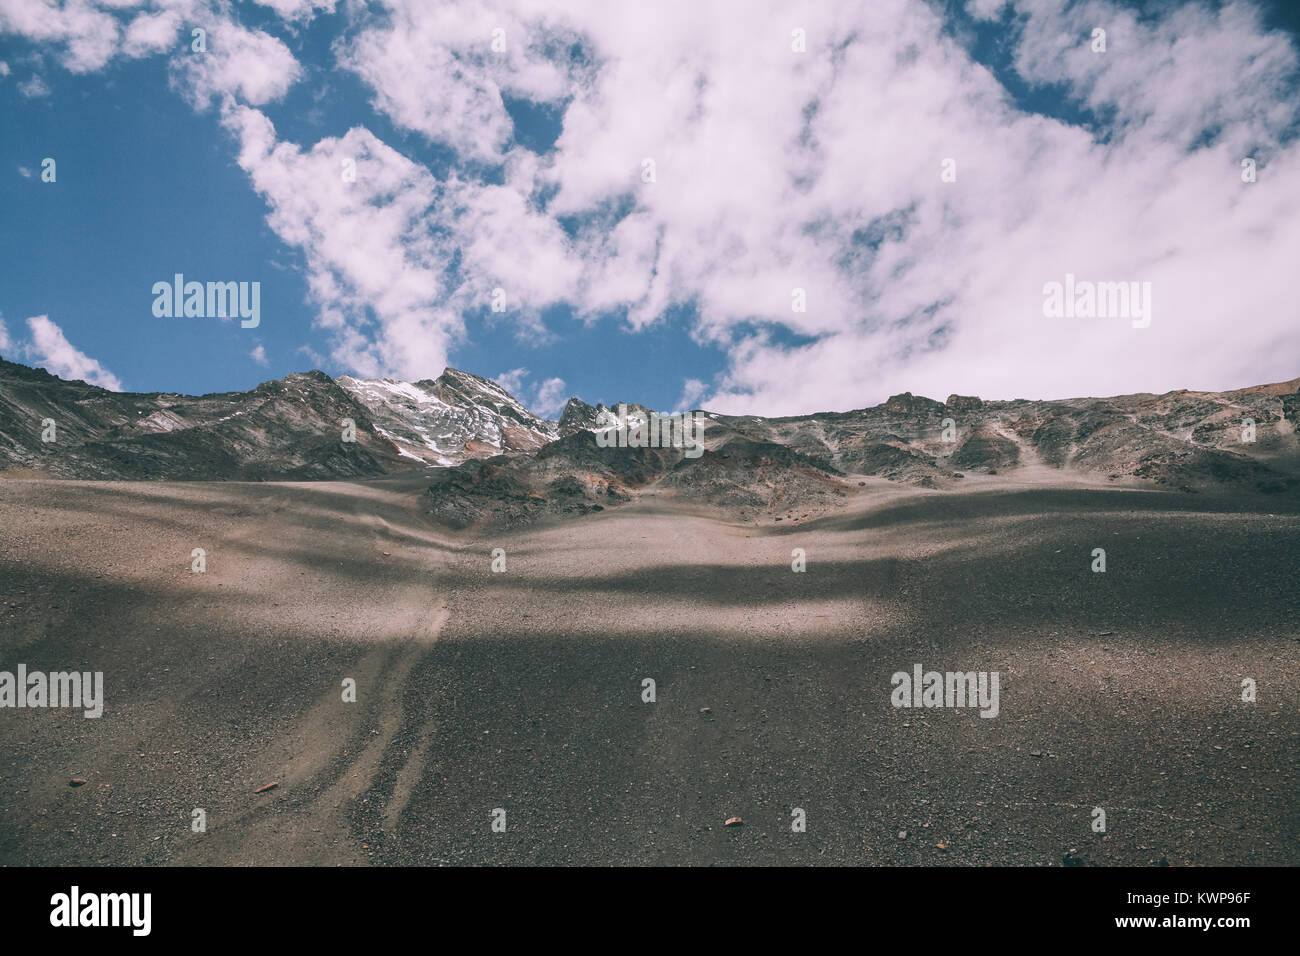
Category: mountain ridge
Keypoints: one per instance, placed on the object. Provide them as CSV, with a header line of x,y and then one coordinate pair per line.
x,y
489,457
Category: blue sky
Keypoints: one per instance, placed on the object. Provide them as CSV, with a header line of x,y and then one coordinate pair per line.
x,y
686,303
147,187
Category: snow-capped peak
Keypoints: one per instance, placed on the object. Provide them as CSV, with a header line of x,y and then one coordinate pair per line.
x,y
451,418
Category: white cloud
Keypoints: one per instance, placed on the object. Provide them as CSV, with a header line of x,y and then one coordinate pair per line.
x,y
512,381
150,33
88,36
51,349
777,170
258,355
373,266
550,398
249,64
378,245
316,359
420,48
6,343
985,9
24,172
33,88
692,390
298,10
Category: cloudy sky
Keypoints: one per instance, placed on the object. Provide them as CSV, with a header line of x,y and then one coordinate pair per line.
x,y
651,191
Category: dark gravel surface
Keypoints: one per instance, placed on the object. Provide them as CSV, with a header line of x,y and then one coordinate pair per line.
x,y
1119,690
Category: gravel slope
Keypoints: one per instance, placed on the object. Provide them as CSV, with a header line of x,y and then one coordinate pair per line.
x,y
1119,690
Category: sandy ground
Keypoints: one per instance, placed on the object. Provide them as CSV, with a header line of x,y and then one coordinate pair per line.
x,y
522,690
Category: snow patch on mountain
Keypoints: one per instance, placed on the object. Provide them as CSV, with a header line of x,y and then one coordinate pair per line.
x,y
450,419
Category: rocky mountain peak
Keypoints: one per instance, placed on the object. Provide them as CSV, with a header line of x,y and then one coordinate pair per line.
x,y
450,419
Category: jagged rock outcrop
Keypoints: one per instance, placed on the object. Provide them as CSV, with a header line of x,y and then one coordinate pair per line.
x,y
963,403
